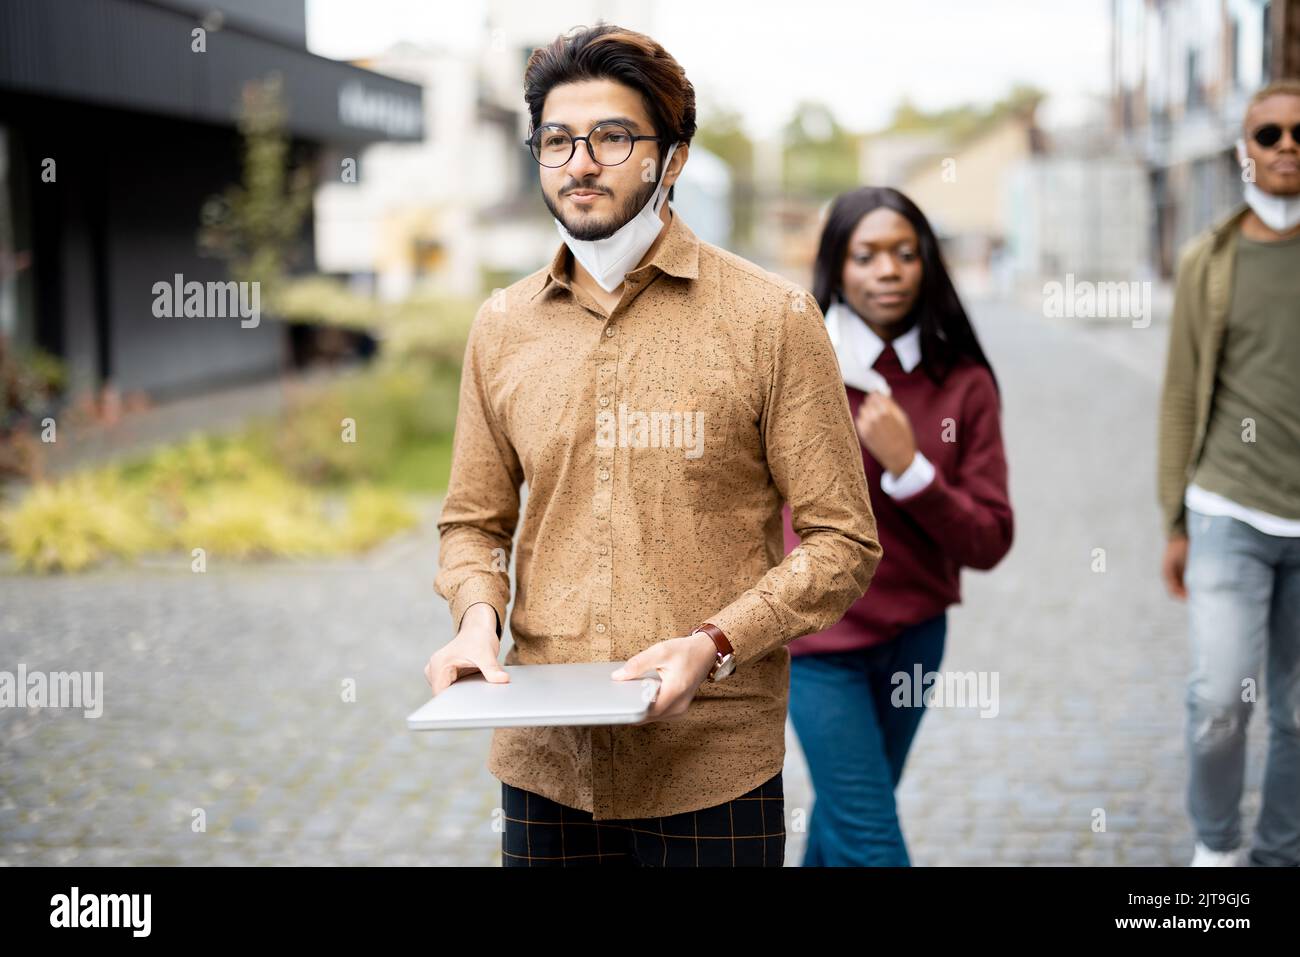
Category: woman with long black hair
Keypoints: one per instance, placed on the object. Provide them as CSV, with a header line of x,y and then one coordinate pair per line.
x,y
925,404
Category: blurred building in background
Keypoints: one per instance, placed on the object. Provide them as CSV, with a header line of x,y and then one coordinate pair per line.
x,y
412,218
958,174
961,189
1182,74
1076,206
114,131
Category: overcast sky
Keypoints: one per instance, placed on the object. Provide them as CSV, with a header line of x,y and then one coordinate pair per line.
x,y
860,56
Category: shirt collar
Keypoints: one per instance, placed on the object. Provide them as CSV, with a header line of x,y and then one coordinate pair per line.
x,y
678,255
869,346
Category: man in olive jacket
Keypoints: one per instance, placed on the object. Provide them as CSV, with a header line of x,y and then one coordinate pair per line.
x,y
1229,477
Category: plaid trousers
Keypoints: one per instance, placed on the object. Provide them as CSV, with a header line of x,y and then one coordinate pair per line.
x,y
748,831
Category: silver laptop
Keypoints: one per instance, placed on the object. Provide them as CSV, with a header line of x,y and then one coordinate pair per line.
x,y
570,694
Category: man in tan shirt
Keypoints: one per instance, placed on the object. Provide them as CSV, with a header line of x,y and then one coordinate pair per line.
x,y
661,398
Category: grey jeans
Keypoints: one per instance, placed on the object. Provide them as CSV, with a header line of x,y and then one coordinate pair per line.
x,y
1243,589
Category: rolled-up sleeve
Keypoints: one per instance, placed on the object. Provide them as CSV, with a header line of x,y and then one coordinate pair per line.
x,y
479,515
815,461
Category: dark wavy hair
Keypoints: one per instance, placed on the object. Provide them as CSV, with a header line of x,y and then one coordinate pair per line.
x,y
607,51
946,333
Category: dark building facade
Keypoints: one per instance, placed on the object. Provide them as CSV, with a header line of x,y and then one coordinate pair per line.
x,y
114,132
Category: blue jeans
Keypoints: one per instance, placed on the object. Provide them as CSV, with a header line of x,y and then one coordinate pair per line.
x,y
1243,595
856,741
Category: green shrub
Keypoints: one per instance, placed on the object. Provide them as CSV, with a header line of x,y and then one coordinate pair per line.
x,y
258,493
374,515
324,301
429,328
77,522
392,410
259,517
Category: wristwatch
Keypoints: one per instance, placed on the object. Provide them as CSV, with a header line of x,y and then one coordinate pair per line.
x,y
726,662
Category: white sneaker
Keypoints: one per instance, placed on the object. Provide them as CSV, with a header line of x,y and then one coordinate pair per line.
x,y
1204,857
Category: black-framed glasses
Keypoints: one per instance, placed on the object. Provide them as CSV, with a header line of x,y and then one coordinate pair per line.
x,y
608,144
1270,134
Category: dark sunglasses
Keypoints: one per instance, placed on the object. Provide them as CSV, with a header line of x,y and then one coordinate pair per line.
x,y
1270,134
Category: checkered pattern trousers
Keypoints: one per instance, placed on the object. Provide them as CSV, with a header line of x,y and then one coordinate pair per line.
x,y
748,831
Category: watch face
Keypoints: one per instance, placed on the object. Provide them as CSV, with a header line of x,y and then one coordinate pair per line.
x,y
725,667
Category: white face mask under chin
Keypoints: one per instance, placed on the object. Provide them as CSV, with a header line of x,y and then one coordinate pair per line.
x,y
608,260
1279,213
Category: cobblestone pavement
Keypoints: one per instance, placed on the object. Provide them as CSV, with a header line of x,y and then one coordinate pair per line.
x,y
224,691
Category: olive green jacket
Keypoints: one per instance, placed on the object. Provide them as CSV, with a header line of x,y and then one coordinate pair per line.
x,y
1202,298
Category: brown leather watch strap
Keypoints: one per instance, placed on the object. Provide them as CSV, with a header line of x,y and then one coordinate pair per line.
x,y
719,639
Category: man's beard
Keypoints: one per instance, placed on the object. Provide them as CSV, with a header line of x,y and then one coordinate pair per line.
x,y
592,229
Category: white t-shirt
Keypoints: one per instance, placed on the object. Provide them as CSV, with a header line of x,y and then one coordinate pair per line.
x,y
1206,502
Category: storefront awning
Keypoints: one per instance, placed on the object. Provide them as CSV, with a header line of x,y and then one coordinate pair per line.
x,y
137,55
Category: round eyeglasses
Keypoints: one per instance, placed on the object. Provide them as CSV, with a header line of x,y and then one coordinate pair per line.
x,y
608,144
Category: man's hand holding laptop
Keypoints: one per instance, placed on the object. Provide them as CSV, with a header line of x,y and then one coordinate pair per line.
x,y
475,648
682,664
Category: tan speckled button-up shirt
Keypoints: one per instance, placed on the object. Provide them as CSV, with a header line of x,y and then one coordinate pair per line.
x,y
658,443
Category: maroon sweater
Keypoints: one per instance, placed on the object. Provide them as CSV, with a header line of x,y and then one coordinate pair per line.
x,y
962,518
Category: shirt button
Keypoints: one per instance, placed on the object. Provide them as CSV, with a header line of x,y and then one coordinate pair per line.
x,y
604,475
600,627
604,400
609,330
604,549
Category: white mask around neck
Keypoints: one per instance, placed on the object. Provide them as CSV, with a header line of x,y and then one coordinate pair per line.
x,y
608,260
1279,213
